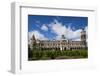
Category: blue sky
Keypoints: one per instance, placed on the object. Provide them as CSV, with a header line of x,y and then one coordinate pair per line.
x,y
52,27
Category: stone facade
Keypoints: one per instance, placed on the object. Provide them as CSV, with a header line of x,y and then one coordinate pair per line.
x,y
62,44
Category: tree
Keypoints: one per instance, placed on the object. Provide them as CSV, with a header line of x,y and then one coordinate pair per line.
x,y
29,52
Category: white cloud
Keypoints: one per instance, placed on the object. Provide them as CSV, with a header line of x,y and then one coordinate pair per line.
x,y
74,35
37,35
60,29
44,27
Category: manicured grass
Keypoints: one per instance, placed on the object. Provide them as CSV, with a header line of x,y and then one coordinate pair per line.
x,y
57,54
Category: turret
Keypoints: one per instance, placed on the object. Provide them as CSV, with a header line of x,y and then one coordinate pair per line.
x,y
83,35
33,42
63,37
33,39
83,38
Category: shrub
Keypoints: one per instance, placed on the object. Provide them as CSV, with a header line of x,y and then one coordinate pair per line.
x,y
51,54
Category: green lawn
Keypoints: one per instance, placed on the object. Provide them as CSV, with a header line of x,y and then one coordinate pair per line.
x,y
50,54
